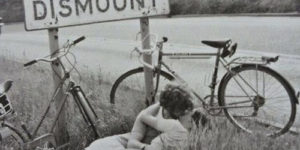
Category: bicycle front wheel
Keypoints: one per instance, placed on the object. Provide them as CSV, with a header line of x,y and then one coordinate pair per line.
x,y
11,138
128,92
258,100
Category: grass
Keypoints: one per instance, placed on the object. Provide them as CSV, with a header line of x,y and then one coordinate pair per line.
x,y
29,96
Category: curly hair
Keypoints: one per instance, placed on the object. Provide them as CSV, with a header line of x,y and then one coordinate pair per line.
x,y
176,100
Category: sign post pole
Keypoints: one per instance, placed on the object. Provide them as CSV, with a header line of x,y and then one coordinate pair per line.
x,y
147,58
54,45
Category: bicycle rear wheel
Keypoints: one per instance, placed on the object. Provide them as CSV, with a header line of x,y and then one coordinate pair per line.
x,y
11,138
128,92
271,99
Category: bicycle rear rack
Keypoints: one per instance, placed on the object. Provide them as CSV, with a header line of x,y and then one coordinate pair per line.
x,y
254,60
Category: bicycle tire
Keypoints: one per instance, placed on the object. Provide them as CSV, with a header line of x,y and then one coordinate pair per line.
x,y
133,92
14,141
274,124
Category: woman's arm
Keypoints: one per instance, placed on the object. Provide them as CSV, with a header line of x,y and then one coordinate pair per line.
x,y
135,144
152,110
147,116
139,128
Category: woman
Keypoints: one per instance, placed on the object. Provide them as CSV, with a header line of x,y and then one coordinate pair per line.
x,y
172,116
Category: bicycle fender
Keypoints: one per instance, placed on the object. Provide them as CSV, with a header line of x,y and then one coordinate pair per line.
x,y
234,69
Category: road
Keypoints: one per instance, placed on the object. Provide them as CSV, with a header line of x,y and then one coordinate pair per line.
x,y
108,45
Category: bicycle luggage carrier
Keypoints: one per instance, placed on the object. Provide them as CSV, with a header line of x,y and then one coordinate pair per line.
x,y
254,60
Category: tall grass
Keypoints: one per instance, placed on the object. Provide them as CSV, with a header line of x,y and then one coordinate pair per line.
x,y
33,87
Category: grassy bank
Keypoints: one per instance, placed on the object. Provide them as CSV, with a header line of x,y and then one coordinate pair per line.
x,y
32,89
231,6
29,96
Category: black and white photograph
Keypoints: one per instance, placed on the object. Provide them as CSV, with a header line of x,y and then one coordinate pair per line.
x,y
149,74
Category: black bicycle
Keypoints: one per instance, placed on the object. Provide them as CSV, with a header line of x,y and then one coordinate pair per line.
x,y
12,138
253,97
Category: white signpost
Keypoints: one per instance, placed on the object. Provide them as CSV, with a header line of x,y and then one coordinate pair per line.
x,y
54,14
45,14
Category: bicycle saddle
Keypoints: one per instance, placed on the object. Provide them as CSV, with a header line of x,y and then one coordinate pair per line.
x,y
4,87
216,44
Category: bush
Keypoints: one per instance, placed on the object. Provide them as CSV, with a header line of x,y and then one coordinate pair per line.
x,y
233,6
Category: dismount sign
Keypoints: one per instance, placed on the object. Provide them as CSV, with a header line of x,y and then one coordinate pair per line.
x,y
45,14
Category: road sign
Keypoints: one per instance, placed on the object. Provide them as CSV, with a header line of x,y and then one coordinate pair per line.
x,y
46,14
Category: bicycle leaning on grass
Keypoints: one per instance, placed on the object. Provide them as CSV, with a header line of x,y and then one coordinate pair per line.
x,y
12,138
253,97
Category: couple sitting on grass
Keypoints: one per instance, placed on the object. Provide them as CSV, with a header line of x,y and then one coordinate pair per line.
x,y
172,116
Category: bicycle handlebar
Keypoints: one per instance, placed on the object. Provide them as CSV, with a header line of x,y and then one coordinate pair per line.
x,y
149,51
30,63
78,40
150,66
68,46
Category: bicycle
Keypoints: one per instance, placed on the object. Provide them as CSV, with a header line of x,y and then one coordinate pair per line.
x,y
12,138
247,93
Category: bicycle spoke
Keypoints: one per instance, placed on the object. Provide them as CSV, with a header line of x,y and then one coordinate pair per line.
x,y
264,90
275,108
276,91
277,88
242,88
248,84
278,99
238,96
256,77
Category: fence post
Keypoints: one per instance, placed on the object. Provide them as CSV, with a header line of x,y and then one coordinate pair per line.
x,y
60,132
147,58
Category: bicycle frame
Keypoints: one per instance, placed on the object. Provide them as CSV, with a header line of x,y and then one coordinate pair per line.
x,y
212,86
80,99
